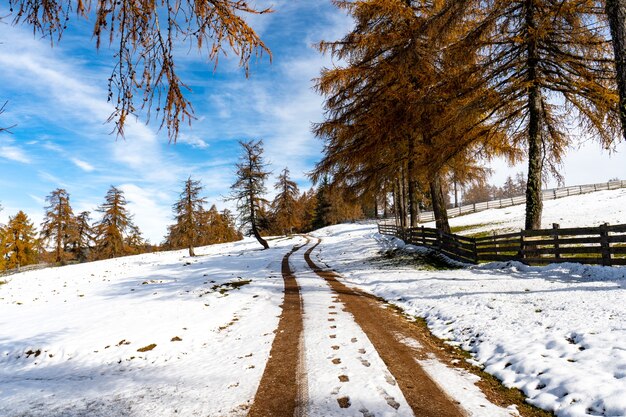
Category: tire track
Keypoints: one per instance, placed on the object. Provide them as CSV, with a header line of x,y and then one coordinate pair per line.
x,y
382,327
282,392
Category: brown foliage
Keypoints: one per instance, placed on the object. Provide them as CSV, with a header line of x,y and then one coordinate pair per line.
x,y
146,35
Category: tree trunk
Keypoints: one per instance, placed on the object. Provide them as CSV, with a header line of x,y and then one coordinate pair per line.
x,y
439,204
191,251
456,194
258,237
616,13
534,203
411,184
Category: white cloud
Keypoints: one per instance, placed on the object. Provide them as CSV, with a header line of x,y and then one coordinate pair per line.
x,y
14,153
150,208
85,166
192,140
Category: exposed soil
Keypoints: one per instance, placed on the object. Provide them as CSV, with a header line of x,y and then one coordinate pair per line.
x,y
382,326
281,392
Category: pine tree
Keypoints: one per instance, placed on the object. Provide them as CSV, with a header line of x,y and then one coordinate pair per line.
x,y
285,207
249,188
20,241
112,229
187,212
59,227
146,37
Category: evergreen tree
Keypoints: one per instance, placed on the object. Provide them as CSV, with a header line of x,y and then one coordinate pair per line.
x,y
114,226
21,245
249,188
59,227
285,209
187,212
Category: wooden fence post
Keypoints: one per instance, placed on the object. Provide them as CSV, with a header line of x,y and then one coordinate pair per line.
x,y
423,236
495,242
475,250
522,249
604,244
555,236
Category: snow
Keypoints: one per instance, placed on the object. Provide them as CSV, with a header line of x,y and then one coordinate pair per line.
x,y
556,332
85,324
71,338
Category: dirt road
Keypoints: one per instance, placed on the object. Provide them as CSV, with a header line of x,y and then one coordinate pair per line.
x,y
342,352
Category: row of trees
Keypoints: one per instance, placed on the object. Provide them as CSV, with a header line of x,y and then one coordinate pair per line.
x,y
431,89
290,211
481,191
65,237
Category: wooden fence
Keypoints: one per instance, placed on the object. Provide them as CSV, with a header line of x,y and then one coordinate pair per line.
x,y
23,269
551,194
603,245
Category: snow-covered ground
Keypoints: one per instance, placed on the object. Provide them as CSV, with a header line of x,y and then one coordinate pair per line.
x,y
71,337
586,210
558,333
163,334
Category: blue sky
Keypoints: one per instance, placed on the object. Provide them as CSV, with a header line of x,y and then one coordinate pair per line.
x,y
57,100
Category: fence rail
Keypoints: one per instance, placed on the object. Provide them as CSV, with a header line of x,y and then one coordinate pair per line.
x,y
550,194
23,269
603,245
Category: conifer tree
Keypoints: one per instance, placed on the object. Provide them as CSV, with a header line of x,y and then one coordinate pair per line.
x,y
285,207
249,187
59,225
146,37
116,224
187,212
20,241
550,65
83,237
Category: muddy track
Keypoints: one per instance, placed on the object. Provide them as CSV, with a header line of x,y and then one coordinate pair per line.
x,y
281,390
385,329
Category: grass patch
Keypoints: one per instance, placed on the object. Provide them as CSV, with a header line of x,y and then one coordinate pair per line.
x,y
147,348
424,261
3,282
459,229
228,286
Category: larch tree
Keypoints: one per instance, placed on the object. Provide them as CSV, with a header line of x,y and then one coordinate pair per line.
x,y
84,236
146,37
400,109
285,207
188,211
20,241
249,187
115,225
551,66
59,225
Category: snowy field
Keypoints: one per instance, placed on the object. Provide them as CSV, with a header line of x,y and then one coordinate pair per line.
x,y
71,338
558,333
164,334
